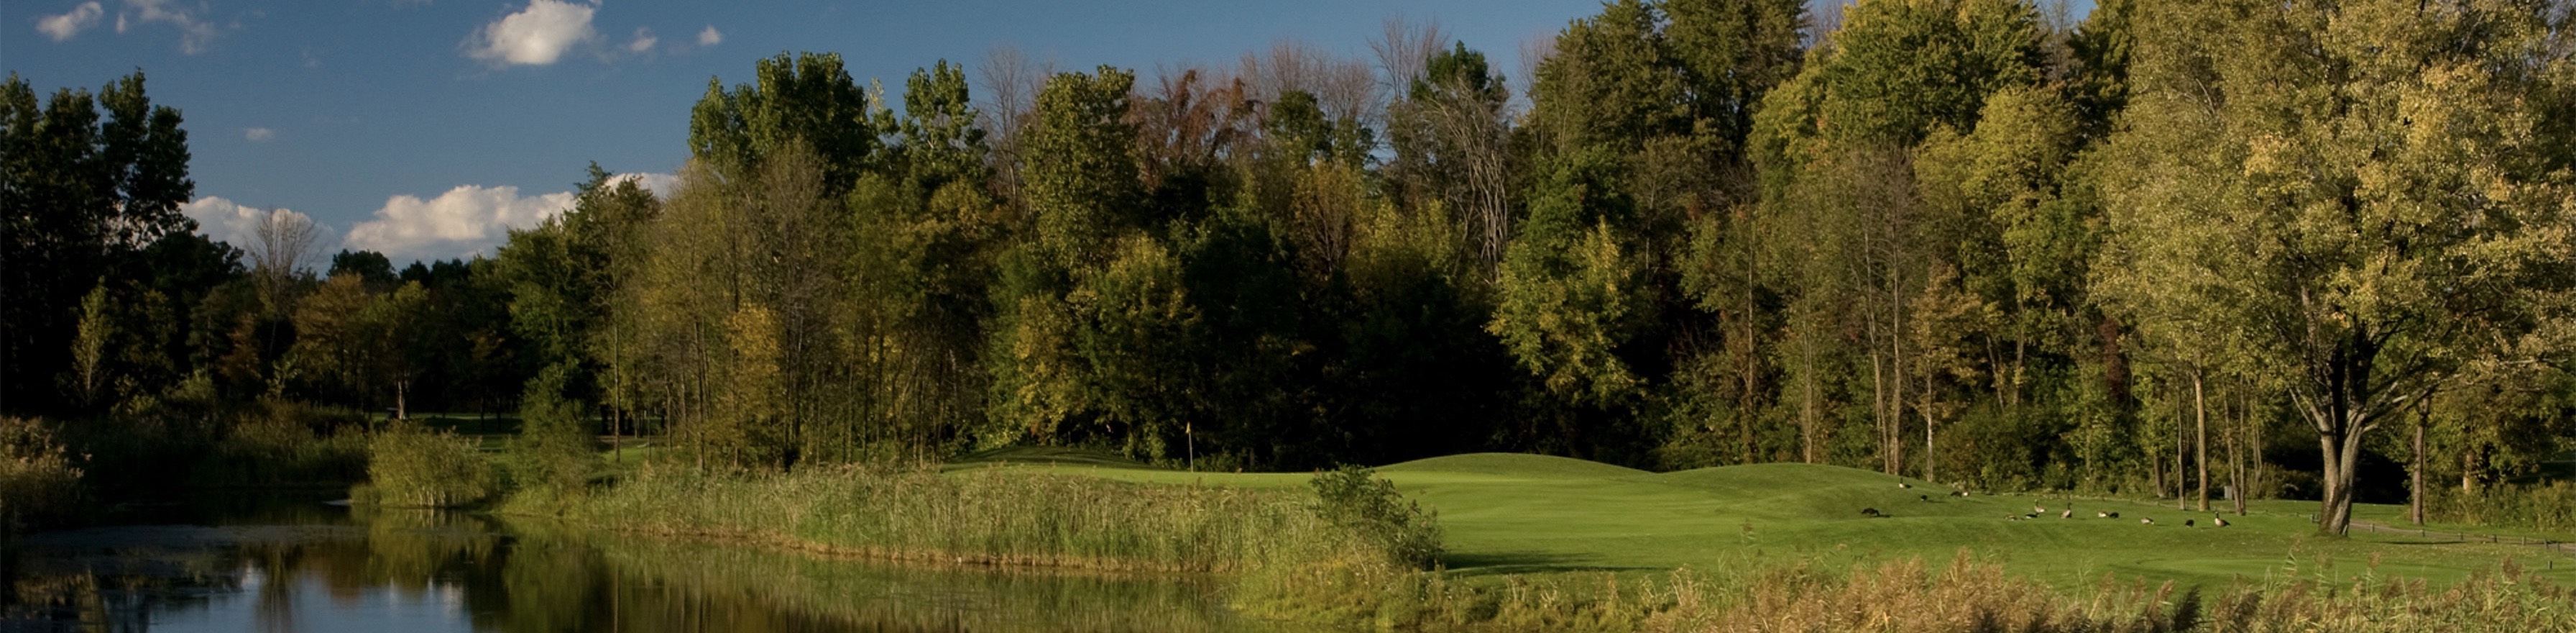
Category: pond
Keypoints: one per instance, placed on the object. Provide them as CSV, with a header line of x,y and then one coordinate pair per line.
x,y
285,564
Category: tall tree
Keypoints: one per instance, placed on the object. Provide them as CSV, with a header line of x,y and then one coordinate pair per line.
x,y
2355,178
81,193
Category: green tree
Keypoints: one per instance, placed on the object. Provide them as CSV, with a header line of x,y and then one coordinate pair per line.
x,y
2354,178
81,193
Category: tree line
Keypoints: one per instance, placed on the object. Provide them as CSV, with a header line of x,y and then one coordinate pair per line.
x,y
2162,250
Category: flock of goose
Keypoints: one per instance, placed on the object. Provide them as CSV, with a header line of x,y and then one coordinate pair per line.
x,y
2041,511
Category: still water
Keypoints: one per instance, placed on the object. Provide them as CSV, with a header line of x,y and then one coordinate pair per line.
x,y
269,564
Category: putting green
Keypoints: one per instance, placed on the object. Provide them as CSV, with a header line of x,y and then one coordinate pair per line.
x,y
1535,514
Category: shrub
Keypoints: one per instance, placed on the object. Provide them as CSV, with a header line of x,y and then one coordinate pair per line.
x,y
2550,507
554,449
1355,499
37,480
412,466
283,442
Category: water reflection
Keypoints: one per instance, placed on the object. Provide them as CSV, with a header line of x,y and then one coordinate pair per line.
x,y
308,567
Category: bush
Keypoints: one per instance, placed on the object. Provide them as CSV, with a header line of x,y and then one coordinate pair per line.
x,y
413,466
554,451
1355,499
37,481
2549,507
281,442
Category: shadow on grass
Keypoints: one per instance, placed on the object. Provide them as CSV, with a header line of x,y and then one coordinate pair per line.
x,y
1498,563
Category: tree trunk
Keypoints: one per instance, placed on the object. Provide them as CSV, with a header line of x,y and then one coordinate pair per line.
x,y
1878,408
2415,470
2236,462
2200,435
2341,452
1926,409
402,411
1807,409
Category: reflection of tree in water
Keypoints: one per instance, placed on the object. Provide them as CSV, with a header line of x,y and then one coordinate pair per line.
x,y
543,576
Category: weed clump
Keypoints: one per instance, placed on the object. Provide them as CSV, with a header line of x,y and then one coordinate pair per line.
x,y
412,466
1354,499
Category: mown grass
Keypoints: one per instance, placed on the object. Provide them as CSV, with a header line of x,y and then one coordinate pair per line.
x,y
1518,514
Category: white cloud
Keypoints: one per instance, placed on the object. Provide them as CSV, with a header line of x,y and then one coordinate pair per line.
x,y
63,27
259,135
537,35
231,222
644,40
710,37
193,33
465,221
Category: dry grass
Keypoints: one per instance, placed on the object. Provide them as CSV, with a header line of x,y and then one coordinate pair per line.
x,y
1976,596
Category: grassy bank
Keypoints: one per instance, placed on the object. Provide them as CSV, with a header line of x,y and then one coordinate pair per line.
x,y
1532,542
988,518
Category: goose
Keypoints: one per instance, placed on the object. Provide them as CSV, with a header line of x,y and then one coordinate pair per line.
x,y
2218,521
2148,521
2186,523
1870,512
1904,485
2070,514
2097,514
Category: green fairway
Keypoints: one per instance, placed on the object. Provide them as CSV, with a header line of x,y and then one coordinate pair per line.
x,y
1532,514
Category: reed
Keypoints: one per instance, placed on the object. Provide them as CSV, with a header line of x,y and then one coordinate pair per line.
x,y
987,518
411,466
37,480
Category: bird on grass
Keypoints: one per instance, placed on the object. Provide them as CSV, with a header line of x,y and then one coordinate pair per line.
x,y
2038,510
1904,485
2147,521
1958,493
2097,514
2218,521
2186,523
1926,498
2070,514
1871,512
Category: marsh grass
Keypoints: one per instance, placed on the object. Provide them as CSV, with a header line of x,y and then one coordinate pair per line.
x,y
987,518
410,466
37,479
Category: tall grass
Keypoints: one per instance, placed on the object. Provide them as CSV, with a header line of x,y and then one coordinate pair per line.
x,y
37,480
1969,595
986,517
408,465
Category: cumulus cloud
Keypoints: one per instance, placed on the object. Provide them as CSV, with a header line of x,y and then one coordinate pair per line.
x,y
194,33
231,222
259,135
710,37
644,40
63,27
537,35
465,221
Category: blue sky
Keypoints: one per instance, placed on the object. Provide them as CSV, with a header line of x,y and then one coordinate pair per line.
x,y
422,127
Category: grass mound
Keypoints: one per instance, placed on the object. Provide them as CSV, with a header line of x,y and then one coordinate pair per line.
x,y
1514,465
